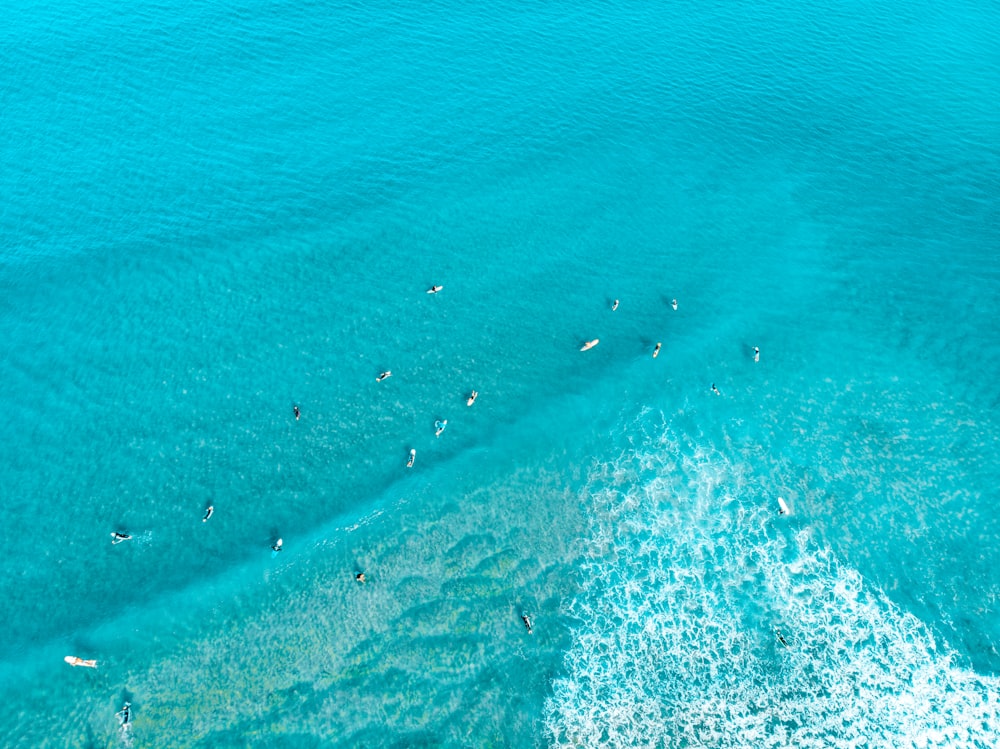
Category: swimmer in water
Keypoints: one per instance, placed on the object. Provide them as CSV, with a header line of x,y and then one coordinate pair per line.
x,y
756,354
527,623
277,546
117,538
295,410
209,511
413,456
434,289
715,389
780,638
614,305
656,351
360,577
440,425
472,397
384,376
74,661
673,303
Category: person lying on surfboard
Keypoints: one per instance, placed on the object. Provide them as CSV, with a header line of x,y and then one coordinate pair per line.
x,y
74,661
117,538
384,376
590,344
472,398
434,289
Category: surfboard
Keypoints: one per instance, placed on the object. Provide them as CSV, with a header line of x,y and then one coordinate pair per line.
x,y
413,456
590,344
434,289
472,398
783,508
74,661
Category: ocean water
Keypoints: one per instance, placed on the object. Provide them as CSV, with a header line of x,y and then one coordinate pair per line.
x,y
213,212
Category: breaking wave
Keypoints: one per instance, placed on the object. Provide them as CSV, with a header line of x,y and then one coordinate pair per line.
x,y
708,619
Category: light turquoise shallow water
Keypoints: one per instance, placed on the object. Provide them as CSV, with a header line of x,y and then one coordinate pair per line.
x,y
214,212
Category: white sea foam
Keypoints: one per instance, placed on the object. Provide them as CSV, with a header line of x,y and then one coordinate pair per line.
x,y
706,619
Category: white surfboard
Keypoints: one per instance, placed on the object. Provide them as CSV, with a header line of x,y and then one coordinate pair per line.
x,y
783,508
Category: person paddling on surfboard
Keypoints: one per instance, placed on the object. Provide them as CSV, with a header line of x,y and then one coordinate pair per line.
x,y
614,305
590,344
276,547
117,538
656,351
434,289
439,426
756,354
472,398
527,623
209,511
384,376
413,456
74,661
295,410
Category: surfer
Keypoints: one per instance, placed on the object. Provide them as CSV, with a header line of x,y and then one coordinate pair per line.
x,y
590,344
117,538
413,456
527,623
439,426
74,661
782,507
656,351
434,289
472,398
295,410
125,715
673,303
756,354
715,389
780,638
208,513
384,376
360,577
277,546
614,305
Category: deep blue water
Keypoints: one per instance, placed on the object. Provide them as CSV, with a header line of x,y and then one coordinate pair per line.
x,y
214,212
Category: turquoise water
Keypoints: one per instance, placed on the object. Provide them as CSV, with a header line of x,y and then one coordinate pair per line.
x,y
215,212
